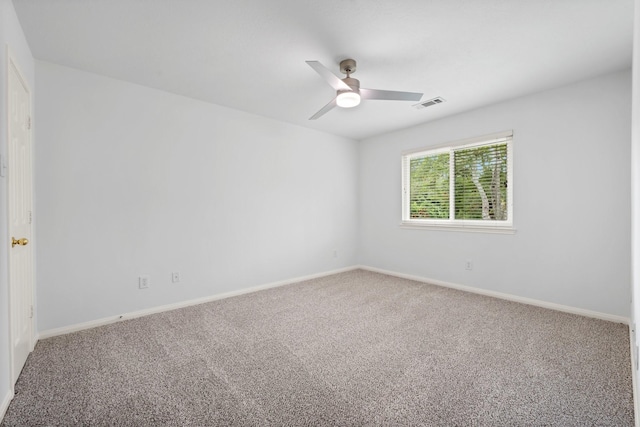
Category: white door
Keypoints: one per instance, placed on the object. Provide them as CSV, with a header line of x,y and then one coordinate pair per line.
x,y
20,205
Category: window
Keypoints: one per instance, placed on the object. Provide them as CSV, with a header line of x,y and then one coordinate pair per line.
x,y
467,185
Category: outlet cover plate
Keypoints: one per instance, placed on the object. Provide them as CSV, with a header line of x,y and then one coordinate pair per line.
x,y
143,282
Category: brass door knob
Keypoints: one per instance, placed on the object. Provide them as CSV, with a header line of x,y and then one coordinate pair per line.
x,y
21,242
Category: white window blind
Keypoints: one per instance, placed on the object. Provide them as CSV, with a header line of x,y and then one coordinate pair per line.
x,y
429,189
465,184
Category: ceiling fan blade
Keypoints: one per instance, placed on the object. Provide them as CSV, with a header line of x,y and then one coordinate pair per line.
x,y
331,78
324,109
389,95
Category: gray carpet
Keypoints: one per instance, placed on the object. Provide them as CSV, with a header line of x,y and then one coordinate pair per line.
x,y
353,349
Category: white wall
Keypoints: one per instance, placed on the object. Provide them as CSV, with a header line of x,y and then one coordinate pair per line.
x,y
135,181
10,35
635,193
571,200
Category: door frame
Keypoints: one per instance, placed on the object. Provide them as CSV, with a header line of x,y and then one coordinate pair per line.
x,y
12,63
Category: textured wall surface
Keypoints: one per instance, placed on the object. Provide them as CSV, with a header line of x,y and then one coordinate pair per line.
x,y
134,181
571,200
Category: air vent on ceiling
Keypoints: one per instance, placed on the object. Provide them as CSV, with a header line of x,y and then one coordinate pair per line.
x,y
429,103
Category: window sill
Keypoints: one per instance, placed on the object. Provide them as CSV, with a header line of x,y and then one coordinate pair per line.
x,y
455,227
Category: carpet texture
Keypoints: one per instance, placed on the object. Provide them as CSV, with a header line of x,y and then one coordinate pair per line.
x,y
352,349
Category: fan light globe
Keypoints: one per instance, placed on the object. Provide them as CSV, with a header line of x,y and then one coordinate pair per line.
x,y
348,99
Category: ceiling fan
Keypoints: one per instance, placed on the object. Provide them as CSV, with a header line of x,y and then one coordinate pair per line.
x,y
349,91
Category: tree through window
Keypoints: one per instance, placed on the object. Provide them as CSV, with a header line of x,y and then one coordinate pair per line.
x,y
465,184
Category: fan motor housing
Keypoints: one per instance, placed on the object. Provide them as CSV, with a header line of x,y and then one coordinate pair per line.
x,y
352,83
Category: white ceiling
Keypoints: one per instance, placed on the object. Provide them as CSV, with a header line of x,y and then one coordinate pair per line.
x,y
250,54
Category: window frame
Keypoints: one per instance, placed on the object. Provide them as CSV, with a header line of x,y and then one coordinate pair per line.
x,y
487,226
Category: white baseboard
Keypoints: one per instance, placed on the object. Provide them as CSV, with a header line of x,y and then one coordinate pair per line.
x,y
634,376
132,315
5,403
509,297
108,320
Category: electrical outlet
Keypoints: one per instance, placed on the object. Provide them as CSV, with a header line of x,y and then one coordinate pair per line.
x,y
468,265
335,253
143,282
175,276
